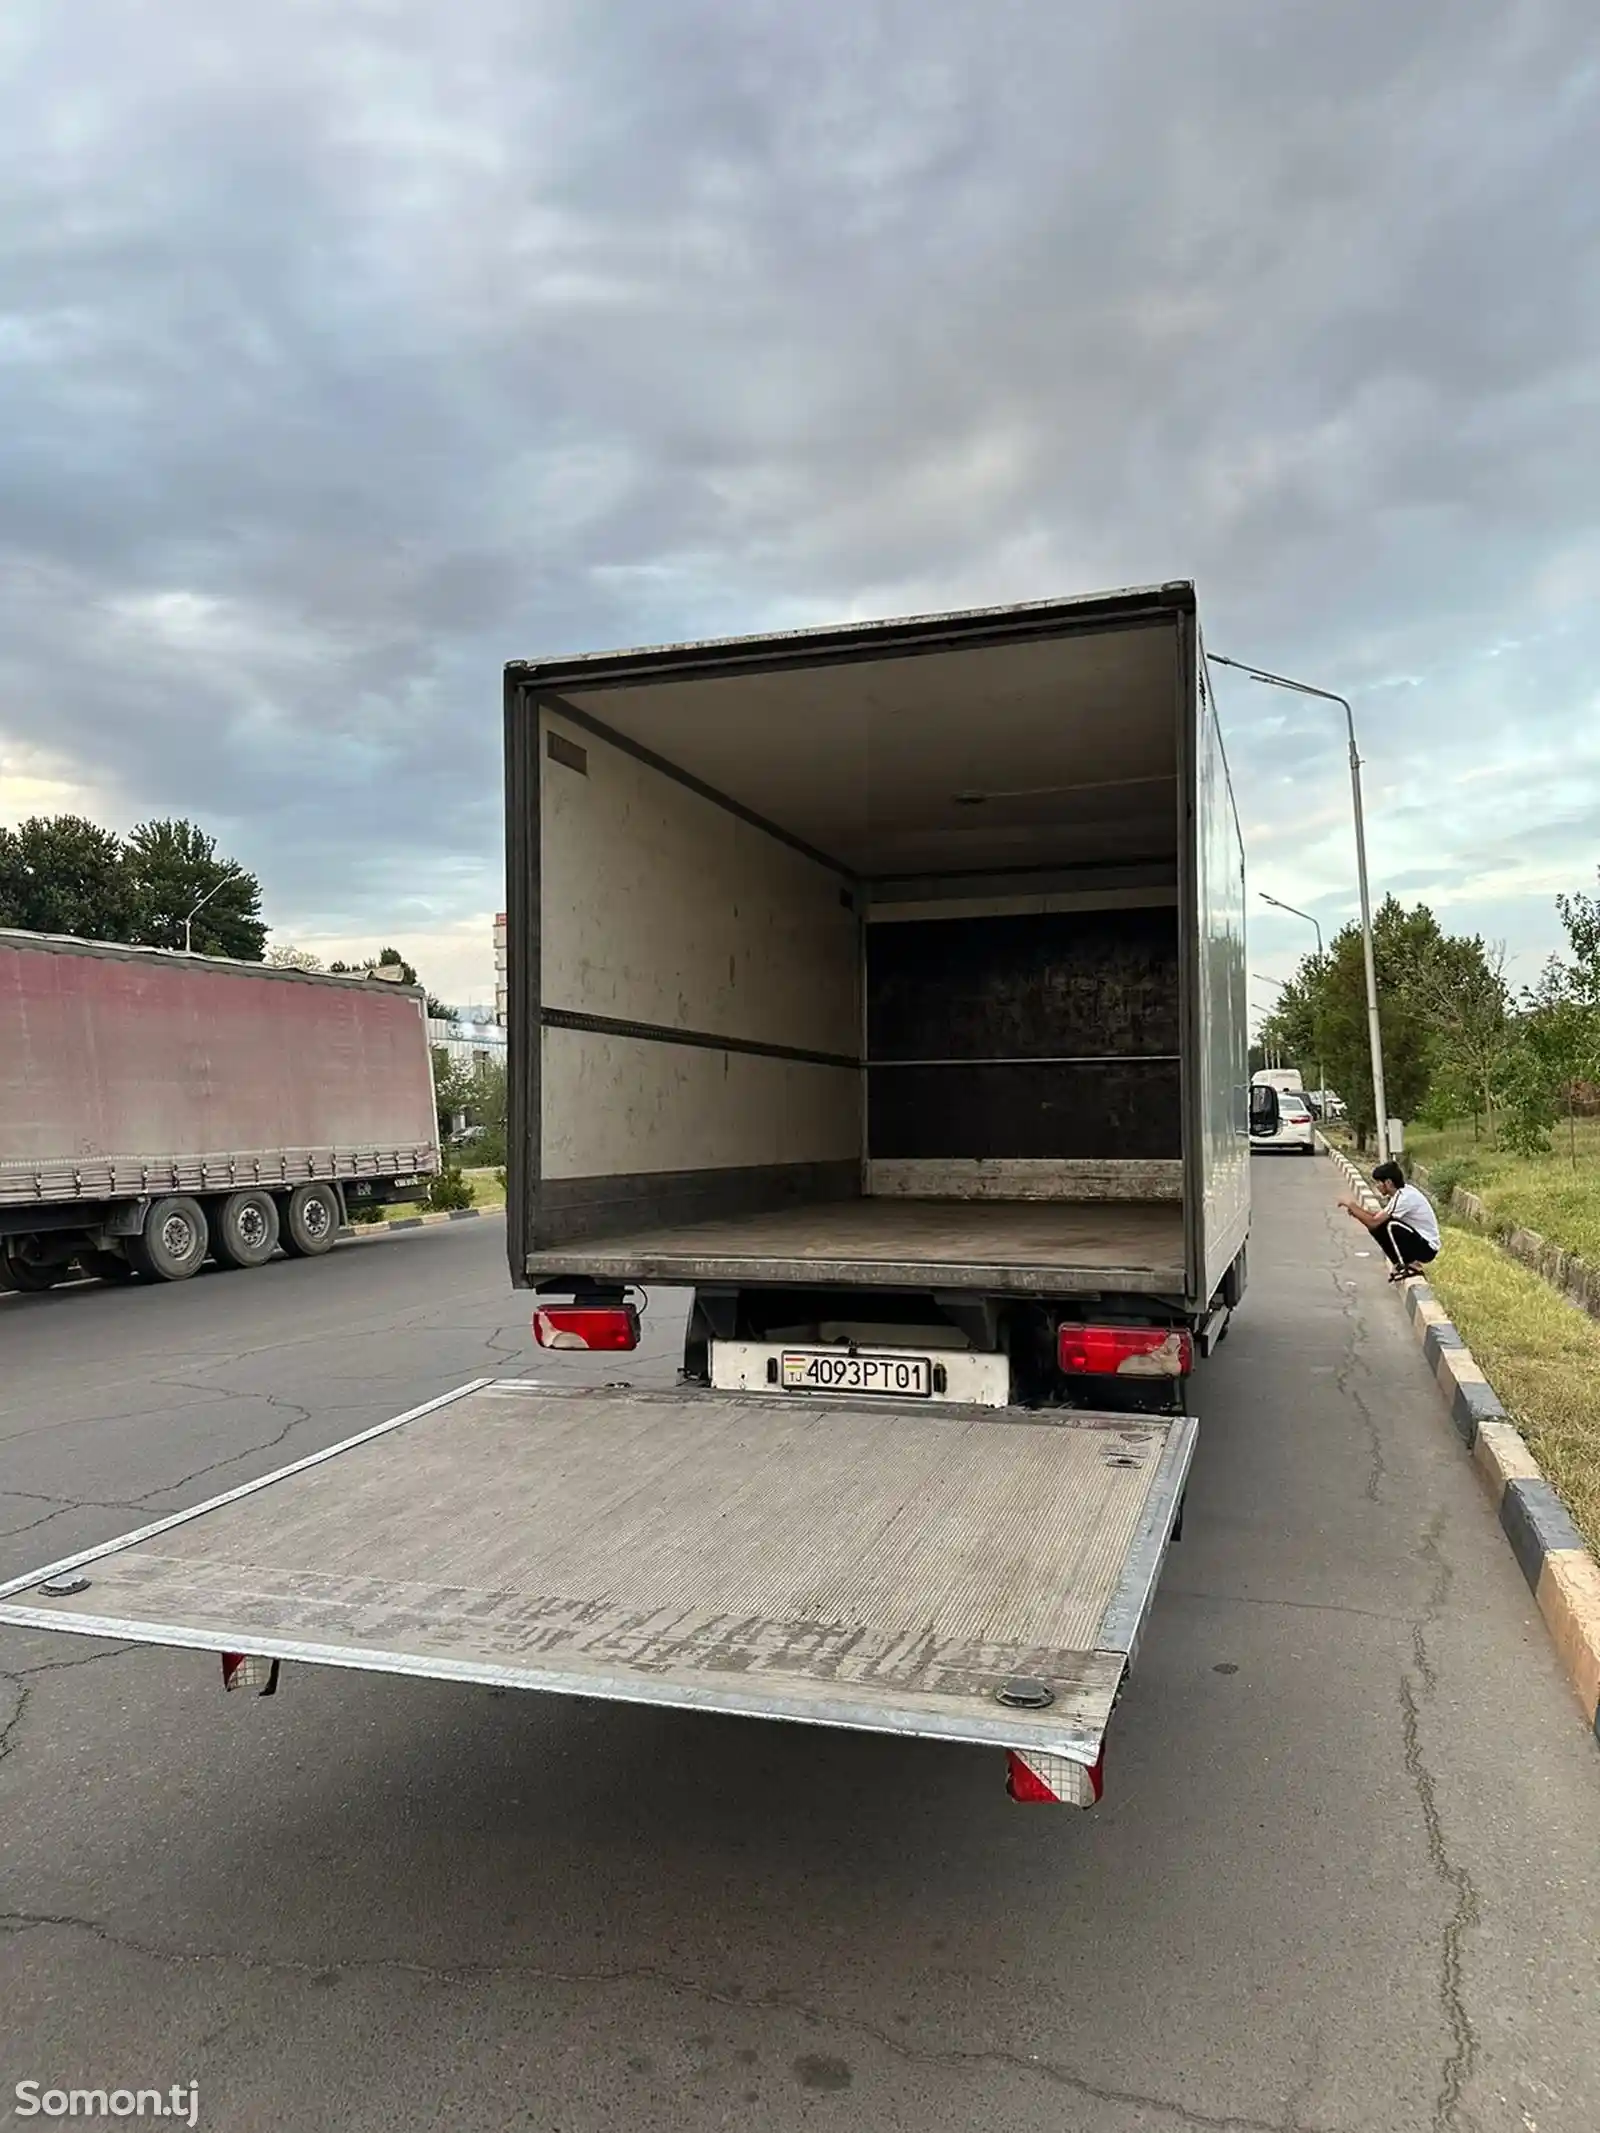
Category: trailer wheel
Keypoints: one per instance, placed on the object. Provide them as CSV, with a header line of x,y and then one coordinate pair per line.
x,y
245,1229
30,1278
106,1266
311,1221
174,1241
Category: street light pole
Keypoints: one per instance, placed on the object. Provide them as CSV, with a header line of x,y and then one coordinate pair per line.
x,y
1261,978
188,924
1380,1102
1294,911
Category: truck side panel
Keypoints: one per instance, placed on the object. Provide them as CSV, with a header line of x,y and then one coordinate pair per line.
x,y
123,1072
1218,1120
699,1001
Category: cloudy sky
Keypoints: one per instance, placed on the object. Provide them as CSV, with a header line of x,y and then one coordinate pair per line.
x,y
350,347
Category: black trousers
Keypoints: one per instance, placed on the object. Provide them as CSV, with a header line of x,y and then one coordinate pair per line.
x,y
1402,1244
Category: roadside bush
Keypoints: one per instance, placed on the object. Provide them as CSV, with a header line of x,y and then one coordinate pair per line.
x,y
483,1150
363,1213
1449,1172
448,1191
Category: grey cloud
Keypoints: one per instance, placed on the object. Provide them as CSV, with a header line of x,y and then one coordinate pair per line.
x,y
399,341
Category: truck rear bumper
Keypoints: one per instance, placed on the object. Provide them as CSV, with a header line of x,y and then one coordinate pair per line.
x,y
861,1564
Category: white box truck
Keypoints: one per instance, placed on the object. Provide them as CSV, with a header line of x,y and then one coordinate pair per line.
x,y
884,986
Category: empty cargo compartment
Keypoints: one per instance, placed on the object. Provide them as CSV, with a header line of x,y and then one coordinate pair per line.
x,y
870,957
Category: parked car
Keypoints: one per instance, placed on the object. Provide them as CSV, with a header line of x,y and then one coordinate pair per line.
x,y
1286,1124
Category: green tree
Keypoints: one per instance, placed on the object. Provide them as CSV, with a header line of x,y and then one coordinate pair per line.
x,y
1529,1099
1580,977
1342,1028
491,1096
1434,990
1459,986
61,874
453,1090
1559,1036
172,867
489,1110
1290,1031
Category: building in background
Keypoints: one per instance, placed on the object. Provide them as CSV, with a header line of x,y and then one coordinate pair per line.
x,y
500,994
470,1036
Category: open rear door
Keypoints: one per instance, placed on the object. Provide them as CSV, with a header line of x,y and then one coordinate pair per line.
x,y
951,1573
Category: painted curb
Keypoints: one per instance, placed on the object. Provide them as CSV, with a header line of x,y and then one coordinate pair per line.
x,y
454,1214
1551,1553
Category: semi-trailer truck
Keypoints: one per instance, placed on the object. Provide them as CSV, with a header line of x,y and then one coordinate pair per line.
x,y
158,1110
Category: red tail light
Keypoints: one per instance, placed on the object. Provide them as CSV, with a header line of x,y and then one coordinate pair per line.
x,y
604,1326
1125,1351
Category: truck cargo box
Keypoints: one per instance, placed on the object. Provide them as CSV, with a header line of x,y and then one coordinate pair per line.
x,y
903,953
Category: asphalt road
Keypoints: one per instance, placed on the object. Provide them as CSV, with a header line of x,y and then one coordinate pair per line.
x,y
1347,1872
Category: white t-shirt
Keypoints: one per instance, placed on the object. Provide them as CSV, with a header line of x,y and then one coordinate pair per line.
x,y
1411,1207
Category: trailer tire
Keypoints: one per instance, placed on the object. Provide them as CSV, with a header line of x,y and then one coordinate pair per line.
x,y
310,1221
244,1229
29,1279
174,1241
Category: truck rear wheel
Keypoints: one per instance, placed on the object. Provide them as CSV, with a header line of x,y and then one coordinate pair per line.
x,y
245,1229
311,1221
173,1242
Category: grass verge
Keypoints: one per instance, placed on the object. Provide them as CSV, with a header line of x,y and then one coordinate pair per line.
x,y
1557,1194
1541,1355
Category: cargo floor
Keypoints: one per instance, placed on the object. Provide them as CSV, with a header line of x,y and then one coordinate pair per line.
x,y
1044,1246
882,1567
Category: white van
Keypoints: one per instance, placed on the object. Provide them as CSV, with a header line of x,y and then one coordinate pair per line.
x,y
1279,1078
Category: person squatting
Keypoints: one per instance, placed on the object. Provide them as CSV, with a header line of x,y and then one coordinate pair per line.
x,y
1405,1227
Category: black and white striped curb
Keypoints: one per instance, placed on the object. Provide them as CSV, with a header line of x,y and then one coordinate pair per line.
x,y
1550,1551
454,1214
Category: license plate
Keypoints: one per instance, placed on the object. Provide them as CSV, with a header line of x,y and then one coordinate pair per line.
x,y
906,1377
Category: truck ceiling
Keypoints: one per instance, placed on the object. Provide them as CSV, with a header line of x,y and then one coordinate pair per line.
x,y
1031,736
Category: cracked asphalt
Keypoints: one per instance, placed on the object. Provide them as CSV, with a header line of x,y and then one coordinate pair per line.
x,y
1346,1874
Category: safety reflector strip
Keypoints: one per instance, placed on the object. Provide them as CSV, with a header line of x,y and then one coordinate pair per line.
x,y
242,1670
1055,1779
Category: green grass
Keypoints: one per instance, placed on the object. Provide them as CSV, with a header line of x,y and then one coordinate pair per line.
x,y
1553,1194
1541,1355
